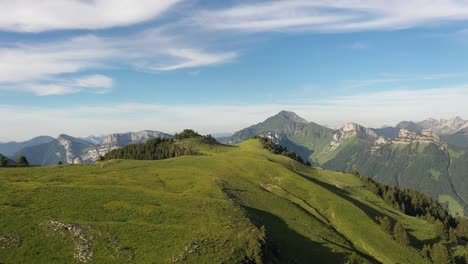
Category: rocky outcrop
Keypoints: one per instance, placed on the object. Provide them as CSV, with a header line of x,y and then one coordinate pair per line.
x,y
67,145
273,136
81,241
409,137
348,131
444,126
118,140
123,139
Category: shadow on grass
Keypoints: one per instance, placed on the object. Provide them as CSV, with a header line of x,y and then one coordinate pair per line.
x,y
285,245
371,212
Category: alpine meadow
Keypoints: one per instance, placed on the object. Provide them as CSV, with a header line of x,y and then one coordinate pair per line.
x,y
234,132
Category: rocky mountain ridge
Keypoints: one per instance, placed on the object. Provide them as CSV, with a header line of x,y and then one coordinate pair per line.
x,y
444,126
71,150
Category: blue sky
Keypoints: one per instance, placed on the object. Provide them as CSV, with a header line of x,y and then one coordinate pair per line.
x,y
99,66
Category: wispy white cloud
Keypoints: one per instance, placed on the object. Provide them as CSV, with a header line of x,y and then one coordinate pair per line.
x,y
193,58
150,50
333,15
37,16
374,109
91,83
94,81
398,78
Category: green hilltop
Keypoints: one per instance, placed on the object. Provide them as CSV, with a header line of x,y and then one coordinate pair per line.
x,y
225,204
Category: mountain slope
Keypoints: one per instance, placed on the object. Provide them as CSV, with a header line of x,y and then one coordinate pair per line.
x,y
407,156
458,139
444,126
420,161
282,123
239,204
65,148
10,148
289,130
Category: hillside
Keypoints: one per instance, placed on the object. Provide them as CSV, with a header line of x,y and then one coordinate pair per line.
x,y
407,156
9,149
289,130
233,204
64,148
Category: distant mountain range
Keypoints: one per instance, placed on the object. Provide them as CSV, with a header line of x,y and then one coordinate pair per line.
x,y
430,156
71,150
9,149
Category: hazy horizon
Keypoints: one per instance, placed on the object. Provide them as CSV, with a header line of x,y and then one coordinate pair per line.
x,y
218,67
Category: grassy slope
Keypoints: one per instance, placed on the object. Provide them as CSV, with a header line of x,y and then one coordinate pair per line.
x,y
213,205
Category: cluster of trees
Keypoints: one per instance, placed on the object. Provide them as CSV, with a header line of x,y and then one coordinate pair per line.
x,y
450,230
22,161
189,133
410,202
398,231
3,161
155,149
269,145
160,148
437,253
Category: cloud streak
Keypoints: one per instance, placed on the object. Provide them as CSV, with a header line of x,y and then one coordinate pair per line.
x,y
92,83
38,16
333,15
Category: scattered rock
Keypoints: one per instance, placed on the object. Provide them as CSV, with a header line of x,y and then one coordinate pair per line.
x,y
10,241
83,251
189,249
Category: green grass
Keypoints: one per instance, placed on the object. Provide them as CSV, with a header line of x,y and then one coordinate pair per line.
x,y
454,207
231,205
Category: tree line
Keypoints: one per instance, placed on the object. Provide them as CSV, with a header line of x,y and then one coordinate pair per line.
x,y
22,161
278,149
449,230
160,148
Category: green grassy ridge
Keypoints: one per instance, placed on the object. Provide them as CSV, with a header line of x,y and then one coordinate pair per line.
x,y
231,205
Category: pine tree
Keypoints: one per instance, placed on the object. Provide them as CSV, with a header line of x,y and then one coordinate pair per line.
x,y
426,251
441,230
22,161
440,254
400,235
462,228
452,235
3,161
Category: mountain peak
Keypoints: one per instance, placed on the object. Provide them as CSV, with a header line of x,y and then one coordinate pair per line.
x,y
292,116
64,136
351,129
